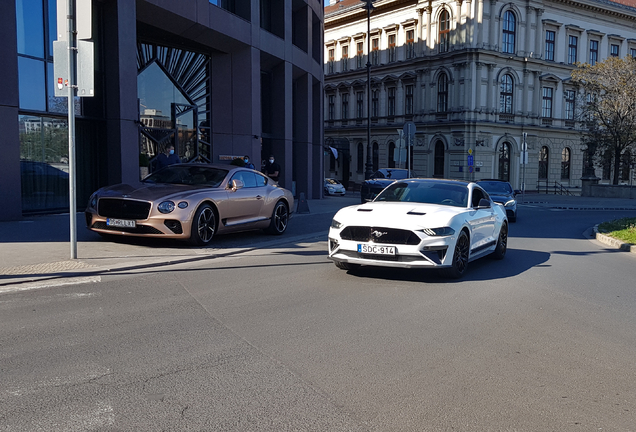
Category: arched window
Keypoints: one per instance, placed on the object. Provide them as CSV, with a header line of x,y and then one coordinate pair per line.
x,y
438,169
509,30
504,162
505,95
565,164
544,157
360,158
444,31
442,93
376,157
391,155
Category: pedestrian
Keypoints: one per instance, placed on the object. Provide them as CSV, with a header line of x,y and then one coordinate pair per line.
x,y
167,158
248,164
272,169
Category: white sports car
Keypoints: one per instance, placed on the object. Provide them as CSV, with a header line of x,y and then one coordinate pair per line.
x,y
424,223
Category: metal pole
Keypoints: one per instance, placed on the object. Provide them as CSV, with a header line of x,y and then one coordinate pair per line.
x,y
71,125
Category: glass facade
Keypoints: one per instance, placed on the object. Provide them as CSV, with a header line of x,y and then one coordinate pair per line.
x,y
43,117
173,87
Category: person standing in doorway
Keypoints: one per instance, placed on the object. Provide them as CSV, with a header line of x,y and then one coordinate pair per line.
x,y
248,164
167,158
272,169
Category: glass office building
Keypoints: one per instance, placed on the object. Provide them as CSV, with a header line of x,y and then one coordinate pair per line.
x,y
226,80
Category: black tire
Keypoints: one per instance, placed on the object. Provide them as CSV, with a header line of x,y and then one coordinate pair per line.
x,y
203,226
346,266
279,220
502,243
461,254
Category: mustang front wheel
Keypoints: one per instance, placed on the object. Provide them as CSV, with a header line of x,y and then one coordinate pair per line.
x,y
203,226
460,258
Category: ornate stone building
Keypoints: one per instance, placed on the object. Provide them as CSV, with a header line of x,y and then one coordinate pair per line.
x,y
474,76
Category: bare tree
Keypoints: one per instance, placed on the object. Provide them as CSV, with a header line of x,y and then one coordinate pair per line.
x,y
608,108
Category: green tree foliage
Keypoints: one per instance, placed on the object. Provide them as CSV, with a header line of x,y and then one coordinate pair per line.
x,y
608,108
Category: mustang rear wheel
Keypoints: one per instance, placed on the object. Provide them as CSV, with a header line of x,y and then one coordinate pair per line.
x,y
203,226
280,218
502,243
460,258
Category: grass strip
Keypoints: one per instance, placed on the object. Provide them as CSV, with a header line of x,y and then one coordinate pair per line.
x,y
622,229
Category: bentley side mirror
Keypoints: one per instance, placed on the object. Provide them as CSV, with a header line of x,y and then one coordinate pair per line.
x,y
236,185
483,203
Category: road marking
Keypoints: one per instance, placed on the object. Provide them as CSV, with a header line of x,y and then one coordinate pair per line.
x,y
49,283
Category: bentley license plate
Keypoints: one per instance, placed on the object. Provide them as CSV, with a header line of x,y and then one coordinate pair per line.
x,y
376,249
123,223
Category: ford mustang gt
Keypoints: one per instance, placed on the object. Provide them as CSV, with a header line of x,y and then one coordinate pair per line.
x,y
191,202
420,223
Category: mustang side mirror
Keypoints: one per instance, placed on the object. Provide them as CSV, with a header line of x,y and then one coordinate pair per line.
x,y
236,185
483,203
517,191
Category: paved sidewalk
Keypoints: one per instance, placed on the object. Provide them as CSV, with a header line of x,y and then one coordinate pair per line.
x,y
36,250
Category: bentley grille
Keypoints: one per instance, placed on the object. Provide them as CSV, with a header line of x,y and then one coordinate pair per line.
x,y
380,235
123,208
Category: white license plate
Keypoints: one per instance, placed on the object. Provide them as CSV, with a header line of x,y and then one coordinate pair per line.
x,y
376,249
121,223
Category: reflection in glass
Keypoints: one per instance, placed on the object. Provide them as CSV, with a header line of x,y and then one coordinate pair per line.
x,y
30,27
31,84
44,163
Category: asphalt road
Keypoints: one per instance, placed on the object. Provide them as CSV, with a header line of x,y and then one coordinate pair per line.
x,y
279,339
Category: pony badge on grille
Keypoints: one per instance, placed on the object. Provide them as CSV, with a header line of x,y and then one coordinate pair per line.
x,y
378,234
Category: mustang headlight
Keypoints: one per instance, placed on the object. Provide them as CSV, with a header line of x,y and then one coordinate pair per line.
x,y
509,203
335,224
166,207
439,232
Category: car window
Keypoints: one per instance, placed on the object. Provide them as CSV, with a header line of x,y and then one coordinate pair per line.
x,y
397,174
496,187
377,174
261,180
455,195
477,196
248,178
332,181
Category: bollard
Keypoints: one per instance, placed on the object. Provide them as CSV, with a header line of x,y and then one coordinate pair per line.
x,y
303,207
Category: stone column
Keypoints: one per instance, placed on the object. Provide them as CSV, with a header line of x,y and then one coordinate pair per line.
x,y
428,45
536,96
539,41
524,95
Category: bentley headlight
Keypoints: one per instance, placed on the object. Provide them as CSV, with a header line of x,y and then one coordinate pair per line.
x,y
182,205
509,203
335,224
92,202
439,232
166,207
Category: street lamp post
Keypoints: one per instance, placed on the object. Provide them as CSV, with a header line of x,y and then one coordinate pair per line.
x,y
368,5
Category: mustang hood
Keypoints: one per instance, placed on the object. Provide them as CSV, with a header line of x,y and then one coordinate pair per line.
x,y
399,215
147,191
501,198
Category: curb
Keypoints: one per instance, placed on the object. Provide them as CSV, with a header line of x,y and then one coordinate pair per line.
x,y
611,241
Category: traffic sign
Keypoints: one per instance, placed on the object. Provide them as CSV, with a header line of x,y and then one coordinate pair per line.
x,y
471,160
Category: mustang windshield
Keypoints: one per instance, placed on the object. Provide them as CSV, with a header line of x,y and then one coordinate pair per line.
x,y
426,193
188,175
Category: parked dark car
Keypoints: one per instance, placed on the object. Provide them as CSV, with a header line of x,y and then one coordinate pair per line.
x,y
379,180
502,192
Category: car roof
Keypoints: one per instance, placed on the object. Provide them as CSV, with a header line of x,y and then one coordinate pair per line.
x,y
491,180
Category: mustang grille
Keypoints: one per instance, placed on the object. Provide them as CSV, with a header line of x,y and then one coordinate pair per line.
x,y
380,235
123,208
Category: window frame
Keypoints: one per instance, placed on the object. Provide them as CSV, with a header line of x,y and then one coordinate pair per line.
x,y
375,51
550,38
442,93
344,58
506,98
443,34
573,49
566,158
408,99
593,57
410,43
509,36
391,46
547,102
360,105
570,103
344,106
390,98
